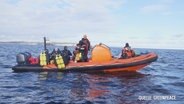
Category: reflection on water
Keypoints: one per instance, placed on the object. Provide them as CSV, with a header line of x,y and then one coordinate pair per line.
x,y
45,75
108,88
95,87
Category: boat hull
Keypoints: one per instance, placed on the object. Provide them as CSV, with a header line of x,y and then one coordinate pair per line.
x,y
115,65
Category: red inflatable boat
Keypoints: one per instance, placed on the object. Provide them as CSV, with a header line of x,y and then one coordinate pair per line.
x,y
101,61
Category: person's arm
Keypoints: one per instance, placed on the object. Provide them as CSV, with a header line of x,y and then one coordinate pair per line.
x,y
69,53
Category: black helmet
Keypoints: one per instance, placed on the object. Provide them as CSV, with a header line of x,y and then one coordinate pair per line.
x,y
65,47
126,45
81,42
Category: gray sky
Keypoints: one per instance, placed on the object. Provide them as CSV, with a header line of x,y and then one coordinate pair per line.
x,y
142,23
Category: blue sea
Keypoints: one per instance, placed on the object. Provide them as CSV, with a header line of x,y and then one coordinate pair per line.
x,y
161,82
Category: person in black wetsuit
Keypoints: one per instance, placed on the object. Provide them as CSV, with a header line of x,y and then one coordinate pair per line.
x,y
86,42
85,45
54,53
66,55
76,53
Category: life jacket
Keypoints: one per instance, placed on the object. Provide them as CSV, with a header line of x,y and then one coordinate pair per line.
x,y
128,52
59,61
78,56
43,59
33,60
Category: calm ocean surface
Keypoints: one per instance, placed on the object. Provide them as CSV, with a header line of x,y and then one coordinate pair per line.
x,y
165,77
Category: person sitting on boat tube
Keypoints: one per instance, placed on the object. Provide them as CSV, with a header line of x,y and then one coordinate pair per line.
x,y
57,59
66,55
127,52
54,53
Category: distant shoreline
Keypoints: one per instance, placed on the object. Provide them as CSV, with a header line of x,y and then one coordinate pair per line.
x,y
36,42
73,44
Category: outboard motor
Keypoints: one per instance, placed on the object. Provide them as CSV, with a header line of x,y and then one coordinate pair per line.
x,y
22,58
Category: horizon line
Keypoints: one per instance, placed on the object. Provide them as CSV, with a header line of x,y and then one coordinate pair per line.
x,y
60,43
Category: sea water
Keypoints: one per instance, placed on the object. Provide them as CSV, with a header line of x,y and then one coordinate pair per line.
x,y
160,82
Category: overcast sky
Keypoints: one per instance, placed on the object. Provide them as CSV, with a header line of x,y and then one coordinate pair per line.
x,y
142,23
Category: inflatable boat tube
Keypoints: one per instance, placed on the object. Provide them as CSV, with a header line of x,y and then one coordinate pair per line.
x,y
95,65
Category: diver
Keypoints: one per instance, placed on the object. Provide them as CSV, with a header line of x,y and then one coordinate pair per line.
x,y
66,55
86,42
54,53
85,45
57,58
83,51
77,54
127,52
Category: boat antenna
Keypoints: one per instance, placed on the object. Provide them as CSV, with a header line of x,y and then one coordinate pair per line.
x,y
45,44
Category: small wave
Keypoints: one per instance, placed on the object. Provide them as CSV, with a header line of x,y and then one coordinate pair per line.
x,y
162,60
160,89
2,55
9,86
6,66
178,84
150,68
167,77
31,87
180,67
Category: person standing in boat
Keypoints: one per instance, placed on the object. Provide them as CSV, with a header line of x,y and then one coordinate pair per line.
x,y
83,50
85,43
66,55
127,52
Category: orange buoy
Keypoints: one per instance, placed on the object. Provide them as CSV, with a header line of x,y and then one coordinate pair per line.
x,y
101,53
